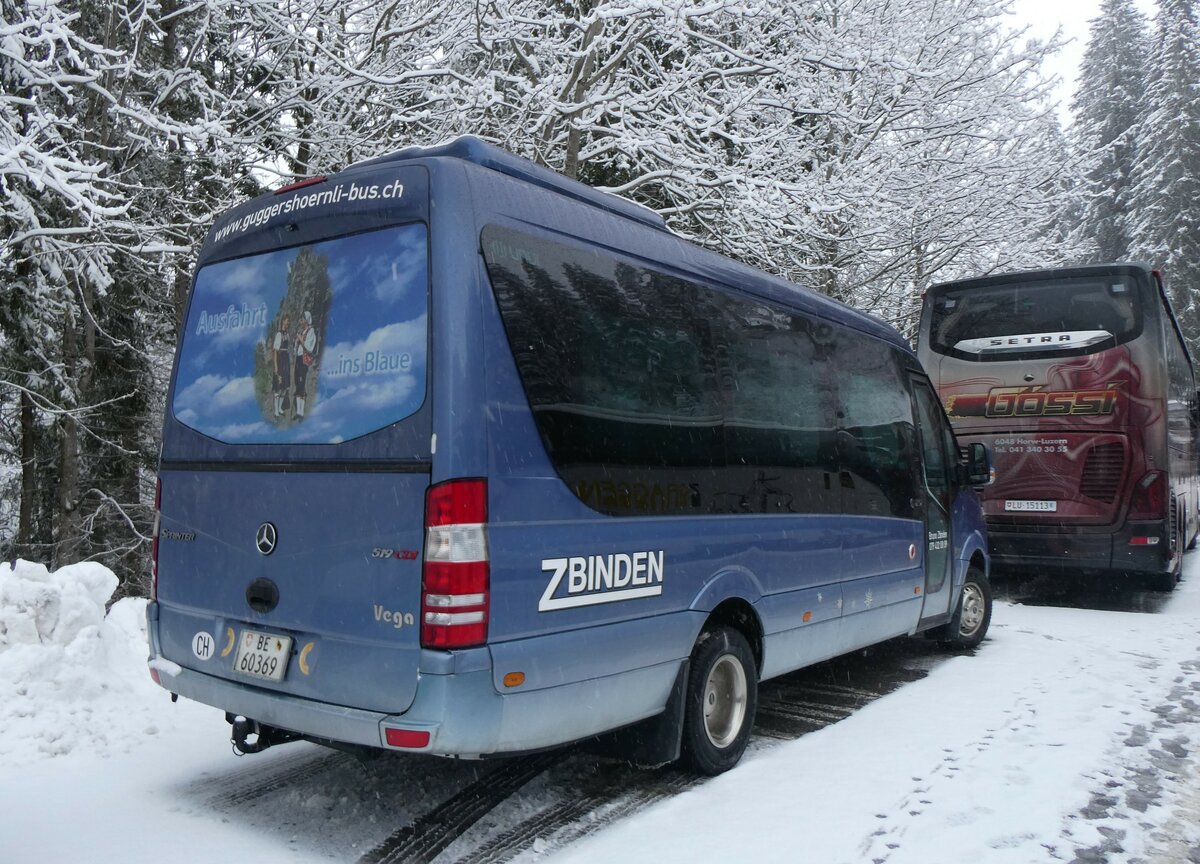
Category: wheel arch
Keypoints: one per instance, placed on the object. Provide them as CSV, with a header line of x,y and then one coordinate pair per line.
x,y
974,554
739,614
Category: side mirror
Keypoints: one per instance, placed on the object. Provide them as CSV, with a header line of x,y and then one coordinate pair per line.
x,y
978,465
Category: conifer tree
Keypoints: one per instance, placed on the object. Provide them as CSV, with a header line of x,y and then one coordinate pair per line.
x,y
1165,211
102,108
1110,114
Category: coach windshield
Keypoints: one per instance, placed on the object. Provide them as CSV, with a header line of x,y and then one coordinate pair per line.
x,y
999,321
314,344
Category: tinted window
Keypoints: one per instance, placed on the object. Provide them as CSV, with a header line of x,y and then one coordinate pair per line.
x,y
780,447
313,344
939,451
876,437
1090,313
656,394
618,365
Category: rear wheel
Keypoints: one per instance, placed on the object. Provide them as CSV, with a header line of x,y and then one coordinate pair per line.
x,y
1167,581
722,697
973,616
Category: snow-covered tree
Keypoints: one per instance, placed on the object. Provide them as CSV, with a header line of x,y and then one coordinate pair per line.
x,y
1164,216
861,147
52,196
101,113
1110,115
865,148
919,147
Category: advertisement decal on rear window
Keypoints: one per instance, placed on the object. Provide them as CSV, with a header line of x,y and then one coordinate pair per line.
x,y
312,344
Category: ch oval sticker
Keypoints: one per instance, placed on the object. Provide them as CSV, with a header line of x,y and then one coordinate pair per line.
x,y
912,551
203,645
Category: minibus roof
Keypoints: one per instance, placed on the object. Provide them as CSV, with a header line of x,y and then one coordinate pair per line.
x,y
479,152
476,151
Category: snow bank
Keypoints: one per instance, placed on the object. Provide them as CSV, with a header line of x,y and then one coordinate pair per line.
x,y
70,676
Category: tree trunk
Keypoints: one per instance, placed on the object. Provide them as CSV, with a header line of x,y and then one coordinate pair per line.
x,y
79,361
67,528
28,479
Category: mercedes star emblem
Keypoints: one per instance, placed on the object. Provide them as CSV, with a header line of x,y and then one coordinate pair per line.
x,y
266,538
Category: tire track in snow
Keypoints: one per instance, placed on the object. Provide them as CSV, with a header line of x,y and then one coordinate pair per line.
x,y
283,774
1156,791
789,707
423,839
567,821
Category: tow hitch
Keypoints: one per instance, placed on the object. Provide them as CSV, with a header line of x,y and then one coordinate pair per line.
x,y
250,736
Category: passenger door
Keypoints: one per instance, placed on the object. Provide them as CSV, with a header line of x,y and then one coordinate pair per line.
x,y
938,460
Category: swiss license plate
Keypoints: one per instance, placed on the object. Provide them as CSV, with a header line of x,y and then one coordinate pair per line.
x,y
262,655
1031,506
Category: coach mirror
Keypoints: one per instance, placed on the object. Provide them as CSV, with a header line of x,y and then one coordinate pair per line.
x,y
977,464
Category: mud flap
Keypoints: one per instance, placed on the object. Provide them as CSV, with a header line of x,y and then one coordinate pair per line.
x,y
653,741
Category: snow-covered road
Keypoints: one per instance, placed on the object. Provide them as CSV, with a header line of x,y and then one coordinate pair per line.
x,y
1071,735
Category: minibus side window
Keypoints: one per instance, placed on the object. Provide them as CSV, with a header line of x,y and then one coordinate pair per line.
x,y
654,394
618,366
779,413
875,431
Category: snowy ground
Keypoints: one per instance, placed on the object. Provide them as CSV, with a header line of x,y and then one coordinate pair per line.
x,y
1069,736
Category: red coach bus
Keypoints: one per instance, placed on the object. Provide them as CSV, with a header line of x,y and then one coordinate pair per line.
x,y
1079,382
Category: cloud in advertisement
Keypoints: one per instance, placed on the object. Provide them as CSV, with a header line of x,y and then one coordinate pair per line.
x,y
242,431
210,394
389,276
388,350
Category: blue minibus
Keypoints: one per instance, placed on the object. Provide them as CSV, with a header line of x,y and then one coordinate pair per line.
x,y
463,457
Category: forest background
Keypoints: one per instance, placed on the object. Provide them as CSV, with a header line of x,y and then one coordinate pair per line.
x,y
865,148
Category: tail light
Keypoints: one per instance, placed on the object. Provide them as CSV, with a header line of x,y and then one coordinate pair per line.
x,y
154,540
300,184
456,575
1149,499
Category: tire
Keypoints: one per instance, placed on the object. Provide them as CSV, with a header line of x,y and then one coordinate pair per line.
x,y
972,617
722,696
1166,582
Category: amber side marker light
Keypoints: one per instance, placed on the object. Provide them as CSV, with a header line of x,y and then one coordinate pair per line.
x,y
806,617
514,679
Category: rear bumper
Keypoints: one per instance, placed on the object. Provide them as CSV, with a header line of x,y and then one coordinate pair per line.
x,y
461,710
1083,548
